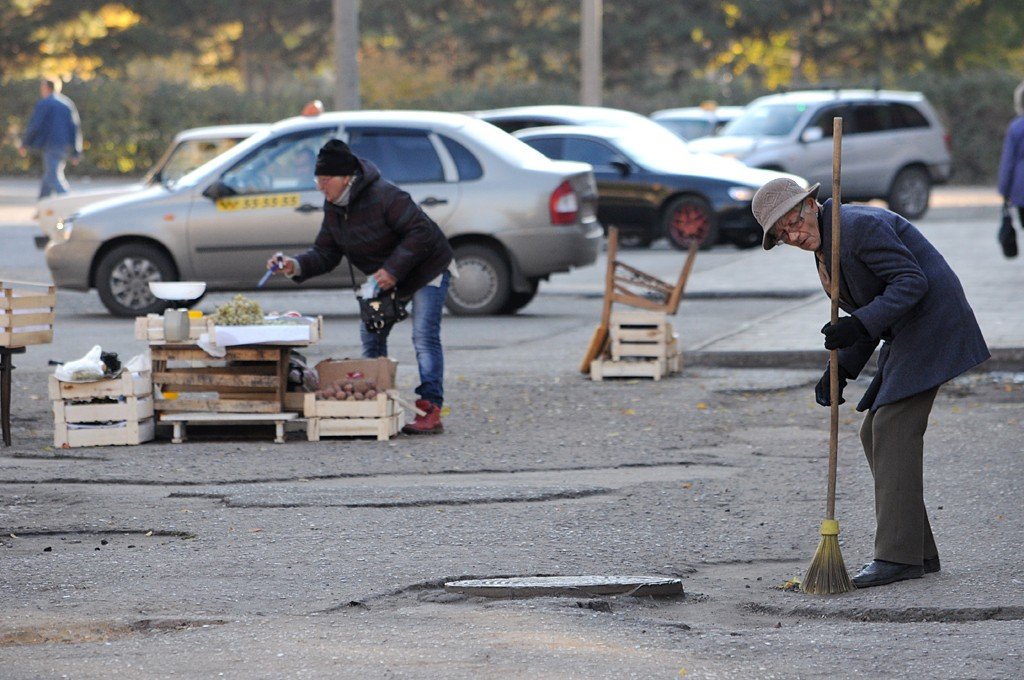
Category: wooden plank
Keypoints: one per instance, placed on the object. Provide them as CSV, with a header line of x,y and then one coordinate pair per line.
x,y
636,317
151,328
223,406
653,368
242,353
28,319
186,377
629,334
132,408
204,418
130,434
636,349
381,428
125,385
378,407
40,337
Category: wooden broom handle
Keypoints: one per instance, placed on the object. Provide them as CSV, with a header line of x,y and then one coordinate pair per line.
x,y
833,435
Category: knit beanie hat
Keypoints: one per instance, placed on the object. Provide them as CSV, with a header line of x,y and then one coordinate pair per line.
x,y
336,160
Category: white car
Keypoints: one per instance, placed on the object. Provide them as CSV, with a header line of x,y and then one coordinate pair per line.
x,y
189,149
512,216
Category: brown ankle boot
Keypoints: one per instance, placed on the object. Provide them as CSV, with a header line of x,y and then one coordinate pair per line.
x,y
428,424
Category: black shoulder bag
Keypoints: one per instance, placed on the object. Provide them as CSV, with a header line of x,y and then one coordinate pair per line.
x,y
1007,236
380,312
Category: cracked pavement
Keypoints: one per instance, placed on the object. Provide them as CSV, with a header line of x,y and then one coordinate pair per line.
x,y
230,556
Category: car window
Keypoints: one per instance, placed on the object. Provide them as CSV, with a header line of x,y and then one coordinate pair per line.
x,y
766,120
549,146
466,163
871,118
906,116
190,154
589,151
403,156
285,163
689,128
823,120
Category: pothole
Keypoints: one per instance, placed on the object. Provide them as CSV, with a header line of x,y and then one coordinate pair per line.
x,y
462,488
47,540
567,586
902,615
398,497
99,631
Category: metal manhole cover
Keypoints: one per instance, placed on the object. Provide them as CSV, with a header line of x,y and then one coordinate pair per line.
x,y
567,586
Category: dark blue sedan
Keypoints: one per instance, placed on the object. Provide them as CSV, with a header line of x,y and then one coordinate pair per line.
x,y
651,185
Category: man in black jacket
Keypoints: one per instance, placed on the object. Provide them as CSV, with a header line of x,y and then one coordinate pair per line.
x,y
388,237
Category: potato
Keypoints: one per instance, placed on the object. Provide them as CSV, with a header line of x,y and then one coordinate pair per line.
x,y
371,394
359,396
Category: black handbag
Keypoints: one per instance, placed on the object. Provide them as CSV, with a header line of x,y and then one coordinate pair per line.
x,y
382,311
1007,236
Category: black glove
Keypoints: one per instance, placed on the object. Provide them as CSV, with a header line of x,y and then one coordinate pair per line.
x,y
845,333
823,392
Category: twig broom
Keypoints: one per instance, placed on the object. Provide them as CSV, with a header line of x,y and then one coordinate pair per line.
x,y
827,574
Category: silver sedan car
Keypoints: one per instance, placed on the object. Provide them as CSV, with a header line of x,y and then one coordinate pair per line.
x,y
513,216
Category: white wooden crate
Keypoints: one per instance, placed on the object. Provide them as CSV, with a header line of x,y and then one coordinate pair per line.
x,y
113,412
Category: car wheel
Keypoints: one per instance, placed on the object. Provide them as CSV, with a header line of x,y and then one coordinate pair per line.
x,y
687,219
517,300
484,283
910,193
123,276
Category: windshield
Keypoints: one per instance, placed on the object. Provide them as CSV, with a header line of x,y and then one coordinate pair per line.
x,y
766,120
190,154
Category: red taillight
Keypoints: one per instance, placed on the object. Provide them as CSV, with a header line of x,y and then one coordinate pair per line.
x,y
949,142
565,205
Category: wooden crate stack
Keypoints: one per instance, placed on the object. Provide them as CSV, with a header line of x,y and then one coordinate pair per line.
x,y
641,344
381,417
248,379
117,412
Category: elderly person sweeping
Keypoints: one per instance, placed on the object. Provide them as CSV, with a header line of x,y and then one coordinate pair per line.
x,y
898,290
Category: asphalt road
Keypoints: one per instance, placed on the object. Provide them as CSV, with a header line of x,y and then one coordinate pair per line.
x,y
230,556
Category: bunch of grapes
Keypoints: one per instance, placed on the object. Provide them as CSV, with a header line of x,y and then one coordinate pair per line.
x,y
241,311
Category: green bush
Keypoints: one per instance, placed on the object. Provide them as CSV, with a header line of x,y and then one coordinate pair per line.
x,y
127,125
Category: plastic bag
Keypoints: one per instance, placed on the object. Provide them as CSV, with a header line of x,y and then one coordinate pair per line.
x,y
87,369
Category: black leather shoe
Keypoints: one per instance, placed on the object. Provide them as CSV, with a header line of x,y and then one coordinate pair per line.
x,y
931,565
880,573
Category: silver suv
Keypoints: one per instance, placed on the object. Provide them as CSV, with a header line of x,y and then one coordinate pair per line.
x,y
894,146
513,216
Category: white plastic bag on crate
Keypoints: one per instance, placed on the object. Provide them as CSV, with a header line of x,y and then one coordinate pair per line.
x,y
87,369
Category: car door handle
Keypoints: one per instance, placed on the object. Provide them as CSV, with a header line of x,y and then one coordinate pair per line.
x,y
308,207
431,201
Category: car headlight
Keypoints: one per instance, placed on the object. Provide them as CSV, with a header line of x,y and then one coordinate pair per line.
x,y
741,193
64,228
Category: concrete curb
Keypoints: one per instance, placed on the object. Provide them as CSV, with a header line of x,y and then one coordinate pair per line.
x,y
1004,359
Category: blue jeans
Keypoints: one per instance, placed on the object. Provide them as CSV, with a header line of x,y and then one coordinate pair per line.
x,y
54,160
427,304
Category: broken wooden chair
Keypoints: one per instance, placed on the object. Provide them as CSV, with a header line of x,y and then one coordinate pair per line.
x,y
630,286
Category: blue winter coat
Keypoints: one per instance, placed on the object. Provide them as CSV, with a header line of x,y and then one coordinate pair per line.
x,y
54,125
1011,165
907,296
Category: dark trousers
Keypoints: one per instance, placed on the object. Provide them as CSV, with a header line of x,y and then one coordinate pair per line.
x,y
893,439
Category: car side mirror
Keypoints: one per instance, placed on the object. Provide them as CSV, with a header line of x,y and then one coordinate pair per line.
x,y
622,167
812,134
218,190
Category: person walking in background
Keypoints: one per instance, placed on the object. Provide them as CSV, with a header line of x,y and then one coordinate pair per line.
x,y
54,130
1011,165
388,237
897,289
